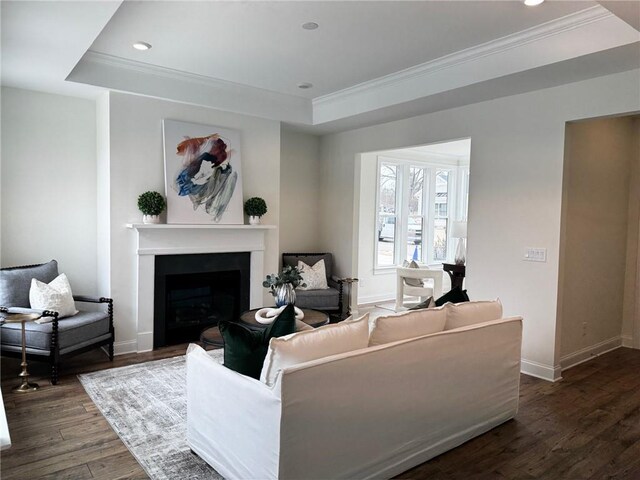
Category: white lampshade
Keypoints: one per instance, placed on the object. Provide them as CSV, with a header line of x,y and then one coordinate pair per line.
x,y
459,229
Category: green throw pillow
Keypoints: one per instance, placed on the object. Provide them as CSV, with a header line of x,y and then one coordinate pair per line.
x,y
245,349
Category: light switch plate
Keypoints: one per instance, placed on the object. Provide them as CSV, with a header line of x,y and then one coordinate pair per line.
x,y
535,254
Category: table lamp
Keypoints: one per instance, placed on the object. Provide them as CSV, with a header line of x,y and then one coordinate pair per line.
x,y
459,231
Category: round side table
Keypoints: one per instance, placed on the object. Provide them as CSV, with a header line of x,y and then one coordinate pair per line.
x,y
23,318
313,318
211,337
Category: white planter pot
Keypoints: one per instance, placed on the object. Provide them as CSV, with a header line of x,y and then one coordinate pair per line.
x,y
254,220
151,219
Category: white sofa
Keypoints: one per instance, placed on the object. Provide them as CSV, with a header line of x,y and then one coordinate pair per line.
x,y
369,413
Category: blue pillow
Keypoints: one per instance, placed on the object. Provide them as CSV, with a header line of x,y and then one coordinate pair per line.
x,y
245,349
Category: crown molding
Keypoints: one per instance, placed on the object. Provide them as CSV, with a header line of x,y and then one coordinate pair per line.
x,y
173,74
515,40
121,74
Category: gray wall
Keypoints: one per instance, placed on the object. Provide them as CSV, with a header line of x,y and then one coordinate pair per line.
x,y
517,150
299,192
49,183
593,259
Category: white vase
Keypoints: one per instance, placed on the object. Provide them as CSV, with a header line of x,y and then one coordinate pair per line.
x,y
254,220
151,219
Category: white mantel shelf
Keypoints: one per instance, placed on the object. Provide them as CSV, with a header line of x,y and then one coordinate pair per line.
x,y
141,226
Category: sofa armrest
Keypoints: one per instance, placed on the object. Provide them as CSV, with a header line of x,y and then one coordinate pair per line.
x,y
238,420
39,311
91,299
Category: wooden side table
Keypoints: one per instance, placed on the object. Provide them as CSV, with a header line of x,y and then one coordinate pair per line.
x,y
456,274
211,337
313,318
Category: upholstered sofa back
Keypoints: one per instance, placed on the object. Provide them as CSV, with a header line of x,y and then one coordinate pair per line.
x,y
374,412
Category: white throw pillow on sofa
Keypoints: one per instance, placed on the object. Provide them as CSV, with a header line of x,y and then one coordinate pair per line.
x,y
470,313
411,324
56,296
310,345
314,277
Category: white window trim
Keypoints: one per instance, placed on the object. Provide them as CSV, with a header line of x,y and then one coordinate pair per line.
x,y
455,208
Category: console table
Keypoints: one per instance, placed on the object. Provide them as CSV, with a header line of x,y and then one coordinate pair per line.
x,y
456,274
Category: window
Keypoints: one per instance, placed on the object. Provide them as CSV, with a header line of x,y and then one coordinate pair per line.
x,y
415,206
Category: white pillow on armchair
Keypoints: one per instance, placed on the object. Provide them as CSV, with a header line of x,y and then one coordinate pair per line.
x,y
314,277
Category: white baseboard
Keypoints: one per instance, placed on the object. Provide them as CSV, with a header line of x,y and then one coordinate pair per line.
x,y
373,299
145,342
122,348
540,370
592,351
627,341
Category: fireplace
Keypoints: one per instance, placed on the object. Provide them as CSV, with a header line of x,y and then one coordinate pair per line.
x,y
153,241
196,291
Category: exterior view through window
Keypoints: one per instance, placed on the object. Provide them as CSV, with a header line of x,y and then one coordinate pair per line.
x,y
421,190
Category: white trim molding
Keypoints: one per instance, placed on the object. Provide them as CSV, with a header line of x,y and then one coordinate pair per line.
x,y
627,341
588,353
540,370
124,75
587,31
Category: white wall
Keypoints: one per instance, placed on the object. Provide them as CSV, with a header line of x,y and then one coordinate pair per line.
x,y
136,165
48,183
593,245
517,148
299,192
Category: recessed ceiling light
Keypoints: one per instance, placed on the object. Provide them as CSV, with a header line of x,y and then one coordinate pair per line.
x,y
305,85
532,3
142,46
310,25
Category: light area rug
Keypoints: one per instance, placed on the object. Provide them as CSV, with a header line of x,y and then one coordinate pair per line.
x,y
146,405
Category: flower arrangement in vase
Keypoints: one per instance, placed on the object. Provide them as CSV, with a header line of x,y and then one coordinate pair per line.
x,y
282,285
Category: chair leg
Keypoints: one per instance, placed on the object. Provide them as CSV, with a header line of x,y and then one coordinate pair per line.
x,y
111,351
54,373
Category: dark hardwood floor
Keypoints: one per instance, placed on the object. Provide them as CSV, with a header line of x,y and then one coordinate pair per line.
x,y
585,427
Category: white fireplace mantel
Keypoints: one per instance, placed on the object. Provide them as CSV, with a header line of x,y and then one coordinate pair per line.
x,y
177,239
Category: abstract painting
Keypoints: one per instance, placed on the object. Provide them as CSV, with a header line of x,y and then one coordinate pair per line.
x,y
203,177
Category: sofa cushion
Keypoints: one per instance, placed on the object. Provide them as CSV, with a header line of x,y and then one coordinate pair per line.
x,y
72,331
15,283
245,349
470,313
318,299
411,324
55,295
322,342
455,295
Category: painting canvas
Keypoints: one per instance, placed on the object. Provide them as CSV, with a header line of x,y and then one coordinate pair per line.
x,y
203,177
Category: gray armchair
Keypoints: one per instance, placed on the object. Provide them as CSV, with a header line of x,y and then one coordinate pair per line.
x,y
326,300
60,337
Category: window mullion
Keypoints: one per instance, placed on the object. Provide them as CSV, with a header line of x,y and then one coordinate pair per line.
x,y
431,201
